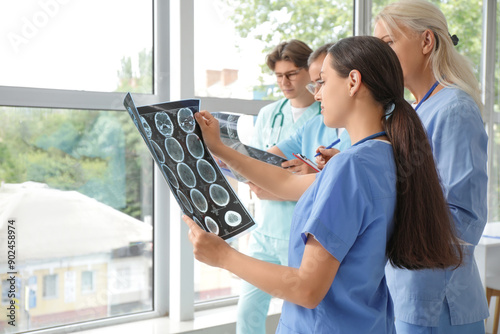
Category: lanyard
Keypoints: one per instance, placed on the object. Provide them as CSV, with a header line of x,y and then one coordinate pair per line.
x,y
375,135
427,95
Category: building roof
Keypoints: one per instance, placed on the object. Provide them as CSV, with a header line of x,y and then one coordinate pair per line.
x,y
52,223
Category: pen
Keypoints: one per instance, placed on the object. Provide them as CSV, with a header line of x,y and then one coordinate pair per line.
x,y
491,236
329,146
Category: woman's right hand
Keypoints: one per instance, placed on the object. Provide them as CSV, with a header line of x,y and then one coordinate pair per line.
x,y
324,156
211,131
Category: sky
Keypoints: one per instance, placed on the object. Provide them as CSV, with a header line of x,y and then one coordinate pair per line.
x,y
70,44
79,44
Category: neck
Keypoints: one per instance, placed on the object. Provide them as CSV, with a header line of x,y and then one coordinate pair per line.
x,y
303,100
421,85
365,120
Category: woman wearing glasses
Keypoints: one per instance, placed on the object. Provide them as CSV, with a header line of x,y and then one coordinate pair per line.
x,y
314,133
276,122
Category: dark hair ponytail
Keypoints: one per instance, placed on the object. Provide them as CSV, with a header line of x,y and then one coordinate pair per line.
x,y
424,235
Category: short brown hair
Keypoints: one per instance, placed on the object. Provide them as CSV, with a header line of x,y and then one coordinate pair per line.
x,y
294,50
322,50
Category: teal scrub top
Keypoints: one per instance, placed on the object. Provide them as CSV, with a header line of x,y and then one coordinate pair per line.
x,y
275,216
312,135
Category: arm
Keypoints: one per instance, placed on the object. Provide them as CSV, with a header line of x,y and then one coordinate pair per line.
x,y
305,286
324,155
274,179
263,194
459,145
293,165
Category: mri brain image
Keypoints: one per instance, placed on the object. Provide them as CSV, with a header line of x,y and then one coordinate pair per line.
x,y
194,145
206,171
170,176
186,120
146,127
231,132
199,223
219,195
200,188
164,124
211,225
186,175
185,201
232,218
174,149
158,151
199,200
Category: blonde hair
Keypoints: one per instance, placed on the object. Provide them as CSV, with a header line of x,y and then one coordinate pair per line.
x,y
449,67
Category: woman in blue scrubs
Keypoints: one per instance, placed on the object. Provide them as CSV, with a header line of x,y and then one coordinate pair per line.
x,y
448,103
373,202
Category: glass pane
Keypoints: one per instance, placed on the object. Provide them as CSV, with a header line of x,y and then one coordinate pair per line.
x,y
232,38
212,283
87,45
75,217
464,19
497,66
494,177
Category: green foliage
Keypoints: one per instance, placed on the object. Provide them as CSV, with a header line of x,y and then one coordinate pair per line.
x,y
314,22
464,20
98,153
137,82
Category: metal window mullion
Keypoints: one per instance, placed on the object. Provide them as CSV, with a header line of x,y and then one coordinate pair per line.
x,y
161,195
488,76
362,17
181,86
66,99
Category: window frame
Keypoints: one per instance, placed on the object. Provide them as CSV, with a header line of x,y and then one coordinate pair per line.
x,y
89,100
56,286
93,282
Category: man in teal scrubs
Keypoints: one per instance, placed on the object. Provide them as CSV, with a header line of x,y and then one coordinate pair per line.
x,y
276,122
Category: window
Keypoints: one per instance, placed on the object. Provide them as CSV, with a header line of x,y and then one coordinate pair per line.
x,y
494,137
50,286
5,291
81,182
88,281
63,130
81,45
231,44
233,37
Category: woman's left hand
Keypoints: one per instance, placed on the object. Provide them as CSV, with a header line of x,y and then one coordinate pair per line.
x,y
207,247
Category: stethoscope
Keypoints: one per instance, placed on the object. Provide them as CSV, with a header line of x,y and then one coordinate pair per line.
x,y
279,118
279,115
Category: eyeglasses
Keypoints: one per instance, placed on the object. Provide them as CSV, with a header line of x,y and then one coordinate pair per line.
x,y
292,75
314,87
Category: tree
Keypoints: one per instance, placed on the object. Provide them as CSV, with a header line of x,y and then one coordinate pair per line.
x,y
321,21
315,22
98,153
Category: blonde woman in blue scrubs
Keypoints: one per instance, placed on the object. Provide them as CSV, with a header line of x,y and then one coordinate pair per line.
x,y
370,203
448,103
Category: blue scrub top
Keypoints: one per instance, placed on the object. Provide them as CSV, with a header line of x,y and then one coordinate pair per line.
x,y
275,216
310,136
459,142
349,209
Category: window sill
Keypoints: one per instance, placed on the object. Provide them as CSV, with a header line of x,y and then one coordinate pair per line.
x,y
217,320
